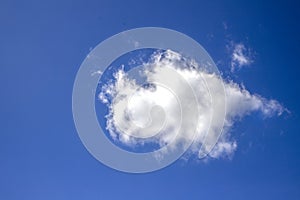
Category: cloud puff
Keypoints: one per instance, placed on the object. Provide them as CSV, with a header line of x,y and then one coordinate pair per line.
x,y
148,108
240,56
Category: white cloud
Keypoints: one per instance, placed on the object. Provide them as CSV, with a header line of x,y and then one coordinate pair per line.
x,y
141,112
96,72
240,56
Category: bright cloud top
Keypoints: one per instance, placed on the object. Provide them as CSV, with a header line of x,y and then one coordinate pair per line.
x,y
154,113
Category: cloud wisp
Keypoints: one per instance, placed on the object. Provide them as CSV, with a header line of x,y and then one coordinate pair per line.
x,y
240,56
151,112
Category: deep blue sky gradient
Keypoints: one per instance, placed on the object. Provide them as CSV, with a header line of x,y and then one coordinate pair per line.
x,y
42,44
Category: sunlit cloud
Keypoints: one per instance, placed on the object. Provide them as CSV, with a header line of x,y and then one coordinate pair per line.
x,y
132,107
240,56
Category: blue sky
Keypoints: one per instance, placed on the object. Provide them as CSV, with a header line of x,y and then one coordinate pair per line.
x,y
42,47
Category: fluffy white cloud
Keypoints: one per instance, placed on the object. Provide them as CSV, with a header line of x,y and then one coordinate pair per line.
x,y
154,111
240,56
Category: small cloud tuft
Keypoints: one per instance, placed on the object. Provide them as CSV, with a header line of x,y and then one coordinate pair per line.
x,y
240,56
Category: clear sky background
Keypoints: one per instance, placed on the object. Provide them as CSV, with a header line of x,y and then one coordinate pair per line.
x,y
42,44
